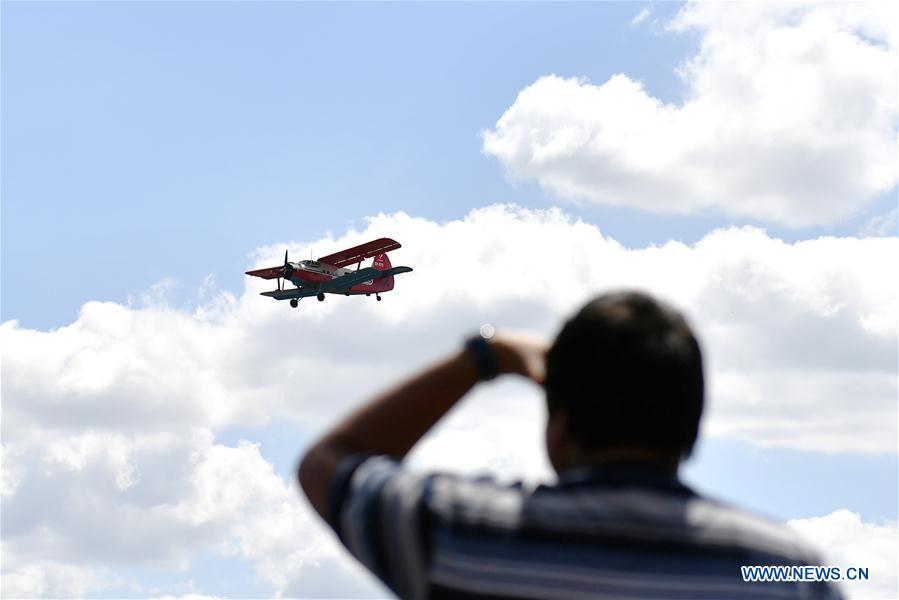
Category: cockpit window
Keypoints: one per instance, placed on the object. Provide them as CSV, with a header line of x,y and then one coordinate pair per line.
x,y
311,265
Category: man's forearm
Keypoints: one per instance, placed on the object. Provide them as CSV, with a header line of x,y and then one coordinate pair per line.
x,y
389,424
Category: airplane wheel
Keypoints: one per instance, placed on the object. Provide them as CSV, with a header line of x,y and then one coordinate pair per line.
x,y
378,297
346,293
367,295
321,297
294,303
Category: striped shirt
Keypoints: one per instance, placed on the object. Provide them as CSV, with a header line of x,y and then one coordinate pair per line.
x,y
599,533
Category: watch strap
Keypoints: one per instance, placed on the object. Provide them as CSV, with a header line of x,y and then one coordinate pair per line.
x,y
479,349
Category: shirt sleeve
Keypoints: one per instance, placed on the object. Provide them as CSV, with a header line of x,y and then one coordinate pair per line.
x,y
377,511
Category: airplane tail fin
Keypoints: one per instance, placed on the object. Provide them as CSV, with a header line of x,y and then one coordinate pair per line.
x,y
382,263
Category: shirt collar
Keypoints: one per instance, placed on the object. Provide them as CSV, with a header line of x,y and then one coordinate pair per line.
x,y
624,473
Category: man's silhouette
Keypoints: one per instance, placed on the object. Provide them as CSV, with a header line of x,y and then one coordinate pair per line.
x,y
624,391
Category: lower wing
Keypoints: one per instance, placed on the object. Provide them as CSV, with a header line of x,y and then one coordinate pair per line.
x,y
345,282
336,286
300,292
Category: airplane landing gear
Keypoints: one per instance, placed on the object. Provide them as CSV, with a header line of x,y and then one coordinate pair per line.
x,y
321,296
378,296
294,302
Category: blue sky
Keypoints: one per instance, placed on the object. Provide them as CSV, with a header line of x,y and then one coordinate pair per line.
x,y
181,137
162,142
149,141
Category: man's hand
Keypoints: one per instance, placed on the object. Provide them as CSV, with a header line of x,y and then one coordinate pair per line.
x,y
520,354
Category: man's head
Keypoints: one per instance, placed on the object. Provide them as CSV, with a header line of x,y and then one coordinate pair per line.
x,y
623,380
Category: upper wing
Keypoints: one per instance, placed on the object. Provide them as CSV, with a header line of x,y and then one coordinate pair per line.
x,y
359,253
267,273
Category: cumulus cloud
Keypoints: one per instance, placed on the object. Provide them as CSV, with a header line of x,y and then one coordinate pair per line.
x,y
110,455
93,502
882,225
788,116
39,578
847,541
641,16
189,597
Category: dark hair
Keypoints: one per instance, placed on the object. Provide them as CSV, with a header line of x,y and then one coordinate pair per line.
x,y
628,370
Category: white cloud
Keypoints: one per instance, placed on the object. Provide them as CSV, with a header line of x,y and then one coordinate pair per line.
x,y
72,523
109,450
847,541
49,579
882,225
640,16
789,116
189,597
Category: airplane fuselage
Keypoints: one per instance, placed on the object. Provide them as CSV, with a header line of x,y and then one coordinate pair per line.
x,y
312,271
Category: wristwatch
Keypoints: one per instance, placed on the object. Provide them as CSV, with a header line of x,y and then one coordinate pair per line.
x,y
479,349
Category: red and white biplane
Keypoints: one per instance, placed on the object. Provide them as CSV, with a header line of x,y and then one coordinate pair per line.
x,y
329,275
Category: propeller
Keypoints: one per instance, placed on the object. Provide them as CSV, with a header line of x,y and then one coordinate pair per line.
x,y
287,271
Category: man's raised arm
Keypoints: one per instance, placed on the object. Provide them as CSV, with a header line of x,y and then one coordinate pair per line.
x,y
395,420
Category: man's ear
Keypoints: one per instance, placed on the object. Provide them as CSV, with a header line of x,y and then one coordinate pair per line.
x,y
559,445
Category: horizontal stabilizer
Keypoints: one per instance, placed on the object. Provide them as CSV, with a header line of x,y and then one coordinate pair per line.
x,y
395,271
